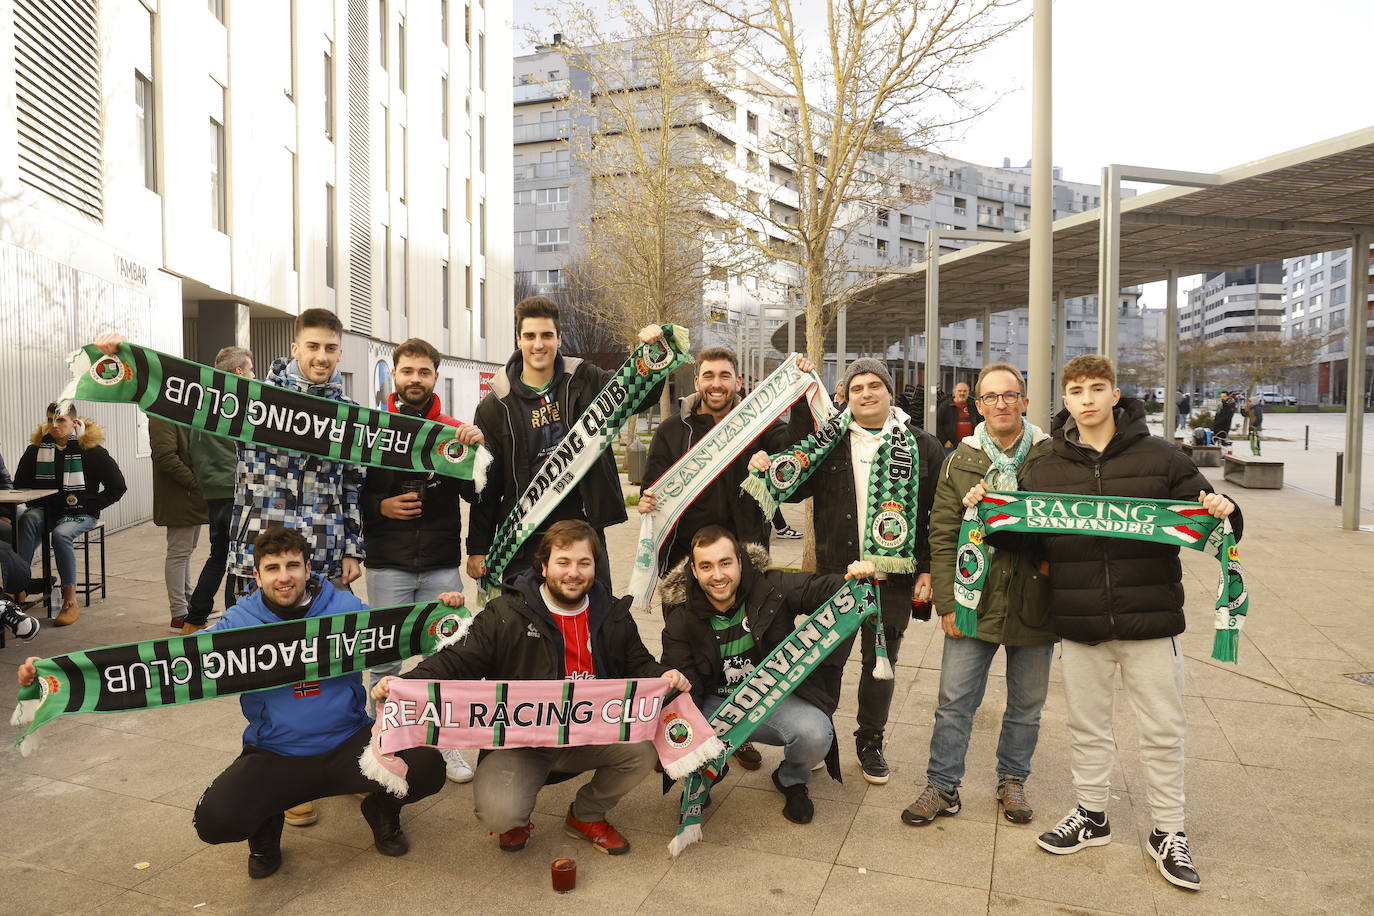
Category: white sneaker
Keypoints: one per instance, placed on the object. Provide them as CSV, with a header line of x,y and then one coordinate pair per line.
x,y
455,766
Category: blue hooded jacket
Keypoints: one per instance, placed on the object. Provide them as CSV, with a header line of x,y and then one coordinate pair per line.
x,y
312,717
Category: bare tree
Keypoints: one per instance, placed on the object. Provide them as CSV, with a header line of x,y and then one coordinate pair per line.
x,y
883,83
1267,359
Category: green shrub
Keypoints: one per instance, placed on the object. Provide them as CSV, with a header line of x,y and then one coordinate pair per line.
x,y
1200,419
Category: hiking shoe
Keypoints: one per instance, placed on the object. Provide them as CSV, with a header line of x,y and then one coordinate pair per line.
x,y
798,808
1170,852
188,628
21,624
68,615
599,833
748,756
264,848
929,805
788,533
385,820
1080,828
871,760
514,839
455,767
1011,792
303,815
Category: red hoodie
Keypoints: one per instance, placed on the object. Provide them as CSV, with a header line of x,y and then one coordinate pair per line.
x,y
434,413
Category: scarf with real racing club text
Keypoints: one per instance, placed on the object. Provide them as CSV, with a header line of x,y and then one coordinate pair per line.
x,y
220,663
260,413
1159,521
771,681
696,470
543,713
889,535
589,436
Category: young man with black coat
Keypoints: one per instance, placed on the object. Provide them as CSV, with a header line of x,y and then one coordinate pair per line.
x,y
839,513
533,403
725,611
1117,603
555,621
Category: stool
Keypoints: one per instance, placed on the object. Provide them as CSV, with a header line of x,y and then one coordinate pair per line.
x,y
86,584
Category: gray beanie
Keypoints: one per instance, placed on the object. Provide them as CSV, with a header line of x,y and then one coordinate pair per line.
x,y
865,365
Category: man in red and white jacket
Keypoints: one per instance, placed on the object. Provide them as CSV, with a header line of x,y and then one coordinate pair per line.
x,y
412,522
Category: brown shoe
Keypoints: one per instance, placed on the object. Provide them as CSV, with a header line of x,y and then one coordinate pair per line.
x,y
188,628
748,756
70,614
303,815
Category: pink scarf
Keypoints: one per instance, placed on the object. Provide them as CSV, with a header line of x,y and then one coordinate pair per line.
x,y
568,713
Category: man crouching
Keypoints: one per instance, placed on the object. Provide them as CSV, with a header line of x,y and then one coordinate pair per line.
x,y
553,622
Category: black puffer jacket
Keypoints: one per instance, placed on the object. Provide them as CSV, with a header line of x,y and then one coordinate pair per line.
x,y
1112,588
578,383
773,600
514,638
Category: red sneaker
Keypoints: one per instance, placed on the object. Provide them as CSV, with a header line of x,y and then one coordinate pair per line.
x,y
514,839
599,833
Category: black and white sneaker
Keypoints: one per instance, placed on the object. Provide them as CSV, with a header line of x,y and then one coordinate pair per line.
x,y
15,620
1170,852
1079,829
788,533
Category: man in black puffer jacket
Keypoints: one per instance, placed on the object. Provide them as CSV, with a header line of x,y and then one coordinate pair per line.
x,y
1118,602
725,611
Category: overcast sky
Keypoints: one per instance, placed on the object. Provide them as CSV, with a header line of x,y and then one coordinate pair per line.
x,y
1199,85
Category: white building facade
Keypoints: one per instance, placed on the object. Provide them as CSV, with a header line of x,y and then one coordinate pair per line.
x,y
195,174
1316,303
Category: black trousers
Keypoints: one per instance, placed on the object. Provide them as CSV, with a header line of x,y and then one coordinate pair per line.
x,y
202,600
259,785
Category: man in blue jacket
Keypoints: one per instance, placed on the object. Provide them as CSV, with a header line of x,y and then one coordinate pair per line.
x,y
302,741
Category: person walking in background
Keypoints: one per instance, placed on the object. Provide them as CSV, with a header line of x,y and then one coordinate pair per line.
x,y
66,455
1185,407
213,459
1226,411
178,506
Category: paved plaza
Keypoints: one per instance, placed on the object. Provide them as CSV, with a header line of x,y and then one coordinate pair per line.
x,y
1279,771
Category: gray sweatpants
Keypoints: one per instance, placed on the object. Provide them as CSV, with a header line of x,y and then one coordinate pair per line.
x,y
508,780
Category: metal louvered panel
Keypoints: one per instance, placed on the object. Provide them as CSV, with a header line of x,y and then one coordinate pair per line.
x,y
268,339
359,172
57,101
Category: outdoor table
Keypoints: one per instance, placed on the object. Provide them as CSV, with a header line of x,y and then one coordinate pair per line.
x,y
15,497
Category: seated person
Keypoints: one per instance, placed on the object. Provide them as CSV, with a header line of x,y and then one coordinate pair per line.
x,y
553,621
303,741
725,617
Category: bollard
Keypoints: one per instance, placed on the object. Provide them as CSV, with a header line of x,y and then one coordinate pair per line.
x,y
1340,461
1306,433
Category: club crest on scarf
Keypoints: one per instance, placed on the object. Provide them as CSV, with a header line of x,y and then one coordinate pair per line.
x,y
110,370
890,526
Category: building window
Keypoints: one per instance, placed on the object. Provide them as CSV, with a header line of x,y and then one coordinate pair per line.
x,y
482,227
1337,272
751,123
481,61
386,148
443,107
482,142
329,240
405,162
217,9
295,213
145,113
482,309
219,204
448,193
405,276
1316,302
467,287
329,92
467,24
381,34
1338,296
444,294
443,29
386,268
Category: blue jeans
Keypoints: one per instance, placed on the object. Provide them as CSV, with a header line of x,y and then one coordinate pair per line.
x,y
392,587
803,732
31,526
963,679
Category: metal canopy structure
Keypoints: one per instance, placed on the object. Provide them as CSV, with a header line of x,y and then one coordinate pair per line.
x,y
1301,202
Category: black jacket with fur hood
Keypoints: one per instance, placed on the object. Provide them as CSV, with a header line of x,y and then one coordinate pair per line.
x,y
773,600
104,483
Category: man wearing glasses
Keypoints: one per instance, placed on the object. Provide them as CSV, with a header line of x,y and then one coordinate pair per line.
x,y
1013,612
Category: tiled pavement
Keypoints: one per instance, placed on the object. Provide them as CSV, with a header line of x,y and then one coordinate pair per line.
x,y
1279,770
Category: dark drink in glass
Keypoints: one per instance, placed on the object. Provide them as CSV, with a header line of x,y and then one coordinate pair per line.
x,y
564,873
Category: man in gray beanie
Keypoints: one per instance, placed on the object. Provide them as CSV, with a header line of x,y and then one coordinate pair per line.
x,y
840,485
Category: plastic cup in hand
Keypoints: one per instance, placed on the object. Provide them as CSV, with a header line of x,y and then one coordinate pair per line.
x,y
563,869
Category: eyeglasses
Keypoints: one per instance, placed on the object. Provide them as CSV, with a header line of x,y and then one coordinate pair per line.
x,y
1011,398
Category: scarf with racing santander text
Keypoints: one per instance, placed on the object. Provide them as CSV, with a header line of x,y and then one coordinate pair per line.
x,y
546,713
220,663
1160,521
247,410
582,446
699,467
889,536
772,680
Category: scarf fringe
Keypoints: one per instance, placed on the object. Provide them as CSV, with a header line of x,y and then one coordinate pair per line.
x,y
882,668
755,486
684,766
373,769
480,464
892,564
1226,645
966,620
689,835
22,716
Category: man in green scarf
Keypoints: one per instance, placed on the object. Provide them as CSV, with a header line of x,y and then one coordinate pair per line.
x,y
1013,612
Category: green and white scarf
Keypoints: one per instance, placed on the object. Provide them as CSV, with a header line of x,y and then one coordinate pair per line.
x,y
220,663
582,446
780,672
1002,474
1159,521
247,410
71,480
707,460
889,535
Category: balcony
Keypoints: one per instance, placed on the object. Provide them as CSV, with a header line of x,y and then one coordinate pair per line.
x,y
542,171
545,91
544,130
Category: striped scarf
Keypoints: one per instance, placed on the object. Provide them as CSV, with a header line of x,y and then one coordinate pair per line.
x,y
71,480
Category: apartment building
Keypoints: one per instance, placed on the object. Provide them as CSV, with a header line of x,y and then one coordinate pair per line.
x,y
1316,302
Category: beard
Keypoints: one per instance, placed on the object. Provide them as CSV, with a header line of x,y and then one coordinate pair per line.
x,y
560,592
415,395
